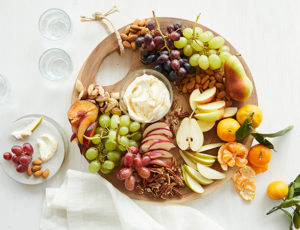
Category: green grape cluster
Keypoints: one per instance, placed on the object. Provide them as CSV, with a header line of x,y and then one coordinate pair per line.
x,y
109,148
203,48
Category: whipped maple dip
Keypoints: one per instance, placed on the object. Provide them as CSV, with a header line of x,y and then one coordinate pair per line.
x,y
147,99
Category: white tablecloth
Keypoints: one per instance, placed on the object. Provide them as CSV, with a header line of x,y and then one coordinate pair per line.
x,y
267,34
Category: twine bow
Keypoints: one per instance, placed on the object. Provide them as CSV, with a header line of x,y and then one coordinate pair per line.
x,y
98,16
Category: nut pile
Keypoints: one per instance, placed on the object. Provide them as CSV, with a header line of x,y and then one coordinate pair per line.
x,y
133,31
36,169
108,102
163,183
205,79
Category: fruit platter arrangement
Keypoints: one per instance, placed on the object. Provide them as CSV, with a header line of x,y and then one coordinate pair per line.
x,y
180,123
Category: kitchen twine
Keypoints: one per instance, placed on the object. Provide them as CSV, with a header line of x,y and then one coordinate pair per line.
x,y
98,16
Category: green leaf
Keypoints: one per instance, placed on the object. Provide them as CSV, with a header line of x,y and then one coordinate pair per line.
x,y
279,133
291,192
296,218
290,218
245,129
297,182
260,139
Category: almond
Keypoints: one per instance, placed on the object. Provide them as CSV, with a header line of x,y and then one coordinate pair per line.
x,y
198,79
205,85
220,86
212,83
209,72
221,95
46,173
137,28
133,30
142,22
126,44
133,46
37,162
204,79
29,171
126,31
144,31
38,173
191,84
124,37
36,168
136,22
132,38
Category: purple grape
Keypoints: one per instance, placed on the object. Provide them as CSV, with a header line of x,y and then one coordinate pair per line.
x,y
145,52
177,25
148,38
159,47
189,68
170,28
158,40
170,43
181,72
21,168
175,64
144,59
172,76
151,25
174,54
165,52
151,46
181,52
139,41
156,33
185,60
162,59
167,66
158,68
150,59
175,36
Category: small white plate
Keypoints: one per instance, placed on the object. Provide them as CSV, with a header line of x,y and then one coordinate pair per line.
x,y
48,126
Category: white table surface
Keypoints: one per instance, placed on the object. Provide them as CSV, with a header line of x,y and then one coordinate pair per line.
x,y
267,34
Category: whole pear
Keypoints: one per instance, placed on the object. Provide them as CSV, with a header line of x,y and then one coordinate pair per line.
x,y
238,85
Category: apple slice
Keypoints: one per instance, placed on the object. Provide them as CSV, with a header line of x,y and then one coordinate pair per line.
x,y
191,183
156,125
163,131
193,95
159,152
210,107
197,176
205,126
207,162
210,146
189,162
146,144
230,112
189,135
206,97
209,172
210,117
166,145
81,109
160,163
202,155
159,137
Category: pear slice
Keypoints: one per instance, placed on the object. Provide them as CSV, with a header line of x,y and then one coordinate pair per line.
x,y
208,162
191,182
210,146
27,130
189,162
209,172
197,176
189,135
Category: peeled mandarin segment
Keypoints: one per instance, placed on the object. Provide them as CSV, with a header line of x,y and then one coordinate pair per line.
x,y
249,173
227,157
241,162
249,186
239,182
247,195
231,163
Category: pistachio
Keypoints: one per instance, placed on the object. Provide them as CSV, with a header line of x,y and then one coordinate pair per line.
x,y
93,91
101,99
115,95
116,110
81,90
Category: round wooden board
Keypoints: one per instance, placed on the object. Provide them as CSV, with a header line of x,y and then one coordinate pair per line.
x,y
87,75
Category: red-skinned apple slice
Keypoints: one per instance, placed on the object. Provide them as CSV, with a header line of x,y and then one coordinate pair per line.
x,y
210,117
210,107
81,109
205,126
166,132
153,154
230,112
146,144
159,137
160,163
194,95
159,153
156,125
206,97
89,132
166,145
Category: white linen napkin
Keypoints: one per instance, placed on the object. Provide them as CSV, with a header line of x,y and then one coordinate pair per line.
x,y
88,202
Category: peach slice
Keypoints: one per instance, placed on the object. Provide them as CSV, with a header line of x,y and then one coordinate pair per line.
x,y
196,93
210,117
206,97
81,109
84,124
210,107
89,132
205,126
156,125
230,112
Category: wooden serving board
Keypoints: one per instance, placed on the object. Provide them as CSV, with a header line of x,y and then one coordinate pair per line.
x,y
87,75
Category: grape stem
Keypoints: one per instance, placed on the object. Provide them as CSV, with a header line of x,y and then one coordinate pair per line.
x,y
198,16
159,30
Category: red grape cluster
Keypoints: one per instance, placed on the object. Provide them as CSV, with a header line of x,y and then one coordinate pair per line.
x,y
134,168
170,61
22,156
